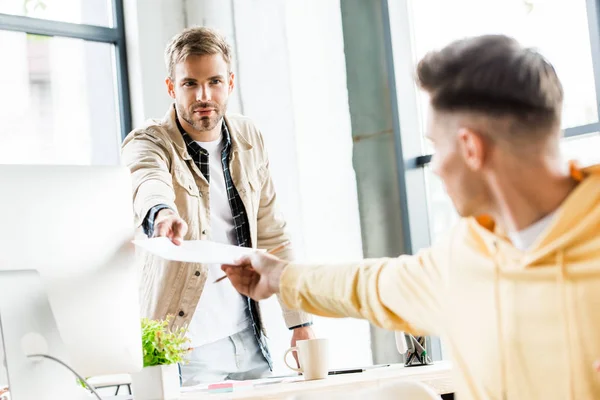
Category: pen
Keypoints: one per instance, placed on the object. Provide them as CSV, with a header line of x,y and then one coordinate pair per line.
x,y
346,371
357,370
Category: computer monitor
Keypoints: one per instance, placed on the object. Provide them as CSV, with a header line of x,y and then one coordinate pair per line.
x,y
68,277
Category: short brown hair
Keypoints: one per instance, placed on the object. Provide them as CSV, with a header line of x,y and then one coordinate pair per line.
x,y
496,76
196,41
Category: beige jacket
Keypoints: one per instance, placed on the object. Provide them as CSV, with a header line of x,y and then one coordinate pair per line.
x,y
519,324
164,173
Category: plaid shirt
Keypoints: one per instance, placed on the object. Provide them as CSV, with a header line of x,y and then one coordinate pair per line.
x,y
201,158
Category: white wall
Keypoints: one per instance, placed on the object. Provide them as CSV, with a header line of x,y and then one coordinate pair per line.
x,y
149,26
327,183
291,80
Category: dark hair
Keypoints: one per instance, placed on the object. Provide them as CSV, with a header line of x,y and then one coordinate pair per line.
x,y
493,75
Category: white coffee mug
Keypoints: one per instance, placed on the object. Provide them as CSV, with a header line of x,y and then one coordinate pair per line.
x,y
313,356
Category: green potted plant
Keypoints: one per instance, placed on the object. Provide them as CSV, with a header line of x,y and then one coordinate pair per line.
x,y
163,349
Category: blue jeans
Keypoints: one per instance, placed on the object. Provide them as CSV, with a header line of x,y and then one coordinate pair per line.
x,y
237,357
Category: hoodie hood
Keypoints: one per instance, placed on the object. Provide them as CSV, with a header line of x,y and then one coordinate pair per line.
x,y
576,221
570,236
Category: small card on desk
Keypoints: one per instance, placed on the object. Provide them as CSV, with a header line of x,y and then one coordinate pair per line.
x,y
232,386
238,386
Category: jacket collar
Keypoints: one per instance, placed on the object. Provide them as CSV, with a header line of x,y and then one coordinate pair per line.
x,y
238,142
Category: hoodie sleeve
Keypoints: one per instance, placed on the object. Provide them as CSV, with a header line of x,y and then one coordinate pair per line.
x,y
401,294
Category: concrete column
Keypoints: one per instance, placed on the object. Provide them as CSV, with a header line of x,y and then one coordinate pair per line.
x,y
372,133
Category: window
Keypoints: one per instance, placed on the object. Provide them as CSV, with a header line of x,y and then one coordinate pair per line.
x,y
91,12
65,95
583,148
558,29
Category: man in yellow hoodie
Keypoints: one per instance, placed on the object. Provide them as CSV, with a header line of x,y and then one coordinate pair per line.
x,y
514,288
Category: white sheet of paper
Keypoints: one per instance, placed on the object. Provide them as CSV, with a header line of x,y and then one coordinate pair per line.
x,y
197,251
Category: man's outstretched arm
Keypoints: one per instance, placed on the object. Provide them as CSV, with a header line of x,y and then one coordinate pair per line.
x,y
153,194
394,293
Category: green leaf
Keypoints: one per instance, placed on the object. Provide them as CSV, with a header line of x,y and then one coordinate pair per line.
x,y
161,345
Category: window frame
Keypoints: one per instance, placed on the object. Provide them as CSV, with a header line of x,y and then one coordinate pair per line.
x,y
112,35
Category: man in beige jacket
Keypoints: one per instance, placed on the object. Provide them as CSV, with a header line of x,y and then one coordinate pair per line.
x,y
199,174
515,287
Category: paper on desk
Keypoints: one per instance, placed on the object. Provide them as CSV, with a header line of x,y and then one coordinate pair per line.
x,y
197,251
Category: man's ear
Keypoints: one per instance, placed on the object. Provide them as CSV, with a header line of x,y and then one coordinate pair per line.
x,y
473,147
170,86
231,82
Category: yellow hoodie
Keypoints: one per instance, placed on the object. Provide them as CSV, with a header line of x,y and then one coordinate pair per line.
x,y
519,324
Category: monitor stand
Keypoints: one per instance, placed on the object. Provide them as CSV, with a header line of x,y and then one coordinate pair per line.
x,y
28,326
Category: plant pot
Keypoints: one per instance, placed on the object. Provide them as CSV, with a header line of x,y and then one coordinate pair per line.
x,y
160,382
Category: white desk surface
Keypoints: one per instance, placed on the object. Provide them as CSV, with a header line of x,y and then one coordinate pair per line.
x,y
437,376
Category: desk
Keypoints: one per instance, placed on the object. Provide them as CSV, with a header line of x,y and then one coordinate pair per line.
x,y
437,376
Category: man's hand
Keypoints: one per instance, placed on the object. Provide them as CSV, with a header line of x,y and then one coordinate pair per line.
x,y
168,224
304,333
256,276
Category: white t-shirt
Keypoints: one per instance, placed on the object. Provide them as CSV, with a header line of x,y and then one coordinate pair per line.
x,y
524,238
221,311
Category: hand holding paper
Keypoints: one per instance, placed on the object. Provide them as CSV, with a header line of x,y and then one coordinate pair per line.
x,y
171,225
256,276
274,250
